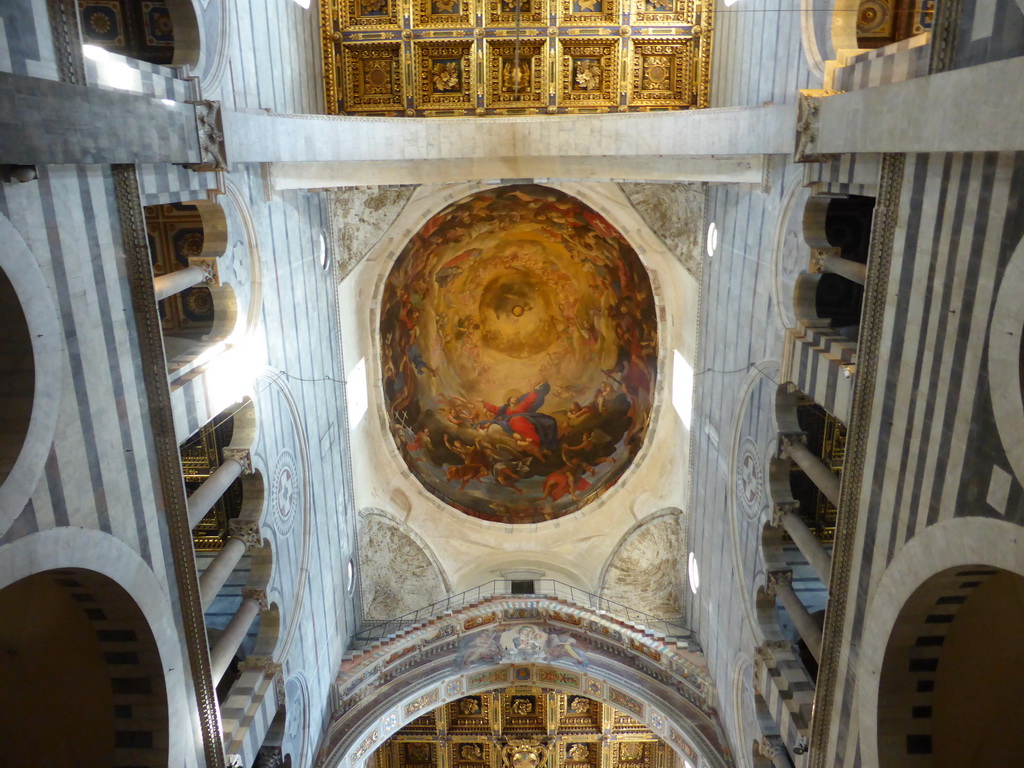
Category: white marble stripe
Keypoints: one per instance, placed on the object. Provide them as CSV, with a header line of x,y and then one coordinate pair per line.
x,y
985,287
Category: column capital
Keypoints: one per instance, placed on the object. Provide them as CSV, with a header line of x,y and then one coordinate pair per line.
x,y
773,746
259,596
818,256
208,264
242,455
279,685
248,532
782,508
777,579
269,757
808,120
787,440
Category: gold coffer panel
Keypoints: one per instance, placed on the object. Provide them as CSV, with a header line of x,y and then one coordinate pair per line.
x,y
420,58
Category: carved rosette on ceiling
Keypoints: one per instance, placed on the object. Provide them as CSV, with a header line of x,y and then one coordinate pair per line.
x,y
494,57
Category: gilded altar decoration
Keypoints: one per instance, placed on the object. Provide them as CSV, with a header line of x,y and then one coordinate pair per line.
x,y
578,753
518,350
606,738
524,753
605,70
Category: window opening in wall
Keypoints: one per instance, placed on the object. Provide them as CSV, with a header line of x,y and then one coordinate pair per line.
x,y
826,438
523,587
350,576
881,22
139,30
17,376
201,455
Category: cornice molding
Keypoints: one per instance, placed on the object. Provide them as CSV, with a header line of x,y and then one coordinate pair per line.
x,y
883,232
154,372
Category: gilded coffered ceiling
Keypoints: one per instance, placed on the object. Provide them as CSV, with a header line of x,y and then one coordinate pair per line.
x,y
524,727
513,57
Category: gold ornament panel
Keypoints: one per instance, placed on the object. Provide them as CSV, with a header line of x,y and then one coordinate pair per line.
x,y
457,57
443,13
663,73
373,76
492,729
445,72
589,72
512,83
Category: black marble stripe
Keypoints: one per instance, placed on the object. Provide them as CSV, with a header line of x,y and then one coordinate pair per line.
x,y
917,170
989,162
908,484
938,377
113,360
75,360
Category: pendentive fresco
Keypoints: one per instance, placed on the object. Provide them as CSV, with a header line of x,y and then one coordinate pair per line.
x,y
519,351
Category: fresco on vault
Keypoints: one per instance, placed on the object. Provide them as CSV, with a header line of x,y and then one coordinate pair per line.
x,y
519,351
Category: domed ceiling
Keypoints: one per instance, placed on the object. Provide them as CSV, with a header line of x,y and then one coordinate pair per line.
x,y
519,351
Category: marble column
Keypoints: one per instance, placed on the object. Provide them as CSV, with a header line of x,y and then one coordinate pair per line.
x,y
234,633
812,549
823,477
245,537
775,750
780,584
205,496
177,281
853,271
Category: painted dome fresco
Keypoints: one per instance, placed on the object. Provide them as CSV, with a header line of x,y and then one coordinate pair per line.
x,y
519,350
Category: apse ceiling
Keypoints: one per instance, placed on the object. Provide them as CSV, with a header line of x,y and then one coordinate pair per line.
x,y
505,57
524,728
519,354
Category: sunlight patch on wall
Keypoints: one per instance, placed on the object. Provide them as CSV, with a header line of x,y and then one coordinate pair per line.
x,y
357,392
682,388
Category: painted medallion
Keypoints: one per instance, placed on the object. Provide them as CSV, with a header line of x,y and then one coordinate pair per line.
x,y
519,351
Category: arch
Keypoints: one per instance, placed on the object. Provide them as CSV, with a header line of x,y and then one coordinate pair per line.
x,y
661,685
387,546
844,25
118,575
898,604
35,396
642,571
77,653
767,371
842,222
168,33
789,254
1006,360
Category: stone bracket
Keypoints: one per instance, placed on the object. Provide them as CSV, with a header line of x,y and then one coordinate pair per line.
x,y
210,127
808,126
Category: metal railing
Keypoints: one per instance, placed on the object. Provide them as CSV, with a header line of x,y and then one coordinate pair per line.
x,y
671,628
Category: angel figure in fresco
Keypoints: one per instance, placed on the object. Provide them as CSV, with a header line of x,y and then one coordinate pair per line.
x,y
474,462
421,443
534,432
